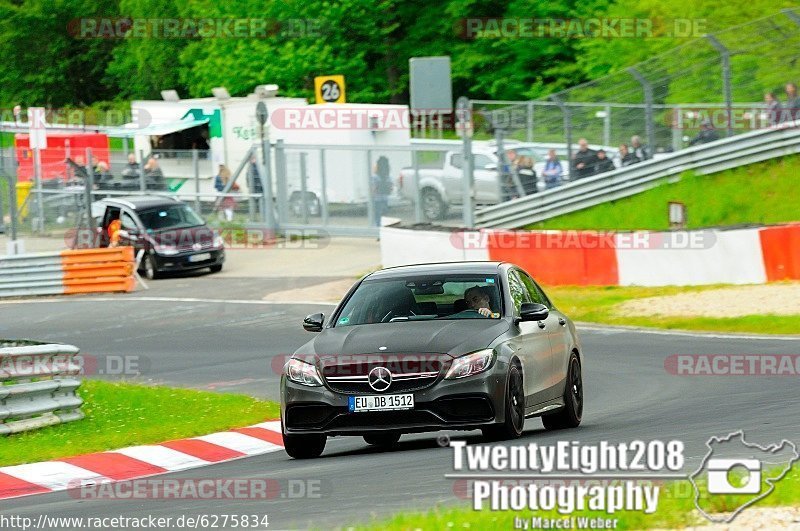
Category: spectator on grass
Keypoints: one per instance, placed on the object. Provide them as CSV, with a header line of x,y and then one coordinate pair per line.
x,y
626,158
774,109
641,151
603,163
552,170
707,134
792,102
584,160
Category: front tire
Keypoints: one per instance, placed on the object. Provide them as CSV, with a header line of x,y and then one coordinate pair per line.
x,y
514,422
149,267
215,268
382,439
571,414
304,446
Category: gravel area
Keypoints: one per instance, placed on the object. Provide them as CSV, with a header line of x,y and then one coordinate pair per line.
x,y
776,299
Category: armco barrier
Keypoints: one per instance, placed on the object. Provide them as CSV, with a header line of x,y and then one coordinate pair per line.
x,y
37,385
67,272
739,256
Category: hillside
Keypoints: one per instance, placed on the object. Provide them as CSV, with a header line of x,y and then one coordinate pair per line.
x,y
760,193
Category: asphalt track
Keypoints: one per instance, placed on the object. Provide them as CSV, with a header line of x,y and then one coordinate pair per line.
x,y
195,341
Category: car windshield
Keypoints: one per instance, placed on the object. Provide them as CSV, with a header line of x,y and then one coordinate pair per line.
x,y
177,216
422,299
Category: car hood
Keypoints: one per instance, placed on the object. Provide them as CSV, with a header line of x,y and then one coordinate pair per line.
x,y
184,238
453,337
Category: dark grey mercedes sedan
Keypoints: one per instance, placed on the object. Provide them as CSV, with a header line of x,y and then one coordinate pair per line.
x,y
450,346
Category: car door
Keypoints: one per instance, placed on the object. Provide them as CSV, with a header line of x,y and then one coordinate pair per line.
x,y
132,229
557,333
532,346
487,184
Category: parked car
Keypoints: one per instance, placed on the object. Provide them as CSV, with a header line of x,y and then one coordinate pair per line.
x,y
456,346
441,185
171,234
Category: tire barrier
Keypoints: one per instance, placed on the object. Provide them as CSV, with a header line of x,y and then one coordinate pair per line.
x,y
581,258
37,385
68,272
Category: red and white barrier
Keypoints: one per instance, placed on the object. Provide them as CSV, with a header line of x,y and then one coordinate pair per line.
x,y
642,258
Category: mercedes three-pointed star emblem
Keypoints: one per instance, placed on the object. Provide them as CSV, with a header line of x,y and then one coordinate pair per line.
x,y
380,379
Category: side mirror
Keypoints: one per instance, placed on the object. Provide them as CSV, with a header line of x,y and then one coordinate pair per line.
x,y
313,322
533,311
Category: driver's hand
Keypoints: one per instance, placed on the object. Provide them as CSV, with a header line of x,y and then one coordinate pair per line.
x,y
486,312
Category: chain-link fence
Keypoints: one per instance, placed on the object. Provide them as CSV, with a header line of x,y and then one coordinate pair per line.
x,y
707,88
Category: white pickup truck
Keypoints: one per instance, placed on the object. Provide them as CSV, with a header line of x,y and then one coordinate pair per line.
x,y
441,183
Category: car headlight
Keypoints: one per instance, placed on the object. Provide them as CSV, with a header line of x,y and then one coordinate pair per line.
x,y
303,373
219,241
470,364
167,250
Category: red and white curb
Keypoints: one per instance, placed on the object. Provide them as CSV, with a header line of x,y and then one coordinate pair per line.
x,y
140,461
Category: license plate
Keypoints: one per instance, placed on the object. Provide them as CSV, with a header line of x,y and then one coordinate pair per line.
x,y
202,257
357,404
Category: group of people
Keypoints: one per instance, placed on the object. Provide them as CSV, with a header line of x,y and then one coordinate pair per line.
x,y
587,162
153,176
778,112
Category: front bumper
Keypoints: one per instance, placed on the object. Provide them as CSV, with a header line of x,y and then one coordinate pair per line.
x,y
462,404
181,262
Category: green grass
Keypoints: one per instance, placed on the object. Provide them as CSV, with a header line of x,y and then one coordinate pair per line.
x,y
676,509
760,193
124,414
598,304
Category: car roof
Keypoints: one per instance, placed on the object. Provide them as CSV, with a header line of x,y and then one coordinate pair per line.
x,y
486,267
141,202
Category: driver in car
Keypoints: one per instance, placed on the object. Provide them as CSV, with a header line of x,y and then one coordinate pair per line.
x,y
477,299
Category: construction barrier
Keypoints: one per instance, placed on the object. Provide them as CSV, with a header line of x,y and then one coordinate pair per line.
x,y
643,258
67,272
37,385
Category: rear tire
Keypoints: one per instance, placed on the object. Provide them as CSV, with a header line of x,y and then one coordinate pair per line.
x,y
382,439
304,446
433,207
514,422
571,414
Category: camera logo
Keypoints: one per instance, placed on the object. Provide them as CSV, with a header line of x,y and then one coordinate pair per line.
x,y
721,476
738,474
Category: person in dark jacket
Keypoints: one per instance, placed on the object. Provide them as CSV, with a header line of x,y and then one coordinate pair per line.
x,y
626,158
792,107
584,160
707,134
774,109
641,151
131,169
603,163
153,175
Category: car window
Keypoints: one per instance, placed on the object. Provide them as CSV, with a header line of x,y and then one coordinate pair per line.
x,y
415,298
519,294
127,221
481,161
533,290
170,217
455,160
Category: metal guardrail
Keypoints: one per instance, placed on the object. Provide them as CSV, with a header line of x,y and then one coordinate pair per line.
x,y
67,272
37,385
724,154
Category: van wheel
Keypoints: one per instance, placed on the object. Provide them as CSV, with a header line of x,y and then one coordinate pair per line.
x,y
149,267
432,205
216,268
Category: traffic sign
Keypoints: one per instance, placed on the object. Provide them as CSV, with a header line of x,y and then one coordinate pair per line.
x,y
329,89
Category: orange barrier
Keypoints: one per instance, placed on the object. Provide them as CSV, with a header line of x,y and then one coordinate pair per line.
x,y
98,270
780,248
558,258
